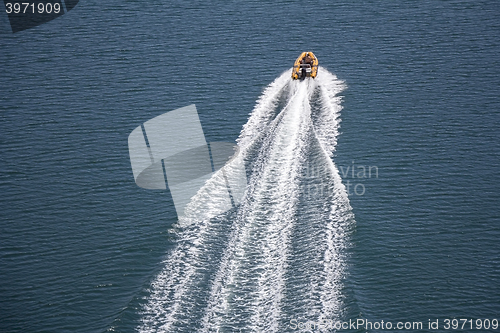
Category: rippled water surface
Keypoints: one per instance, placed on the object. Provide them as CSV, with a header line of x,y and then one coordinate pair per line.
x,y
408,91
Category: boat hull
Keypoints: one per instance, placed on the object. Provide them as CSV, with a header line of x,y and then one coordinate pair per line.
x,y
299,73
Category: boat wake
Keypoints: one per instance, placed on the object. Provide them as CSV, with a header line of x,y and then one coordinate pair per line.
x,y
280,255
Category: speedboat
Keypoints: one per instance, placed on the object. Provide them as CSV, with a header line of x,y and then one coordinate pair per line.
x,y
306,65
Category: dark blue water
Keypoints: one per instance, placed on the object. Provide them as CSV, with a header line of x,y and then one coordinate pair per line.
x,y
80,243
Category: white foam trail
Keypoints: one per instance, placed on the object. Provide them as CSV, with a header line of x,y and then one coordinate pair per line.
x,y
340,214
263,111
268,213
167,299
250,282
327,126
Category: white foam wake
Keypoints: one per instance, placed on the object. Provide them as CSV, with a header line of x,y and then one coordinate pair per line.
x,y
280,254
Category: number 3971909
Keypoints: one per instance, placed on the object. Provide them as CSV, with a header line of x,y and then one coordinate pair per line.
x,y
31,8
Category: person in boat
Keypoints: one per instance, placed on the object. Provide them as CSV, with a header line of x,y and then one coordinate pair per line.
x,y
308,59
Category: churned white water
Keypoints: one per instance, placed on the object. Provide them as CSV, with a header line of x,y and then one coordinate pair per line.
x,y
280,253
